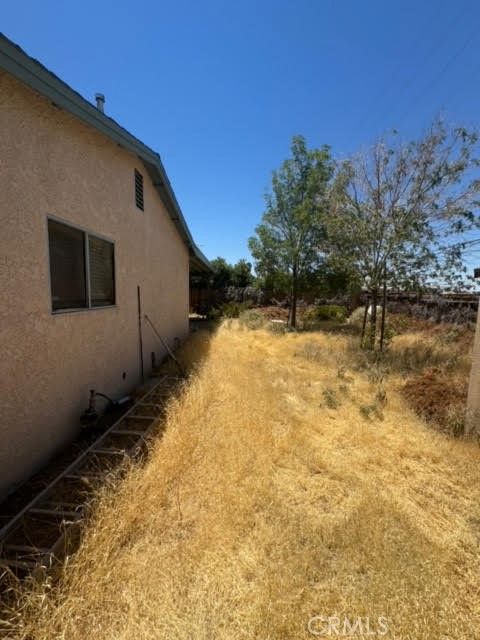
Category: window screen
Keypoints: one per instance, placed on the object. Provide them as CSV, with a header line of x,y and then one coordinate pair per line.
x,y
70,271
67,266
102,279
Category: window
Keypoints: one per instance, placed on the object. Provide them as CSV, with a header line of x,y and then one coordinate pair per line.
x,y
102,277
139,189
82,268
67,266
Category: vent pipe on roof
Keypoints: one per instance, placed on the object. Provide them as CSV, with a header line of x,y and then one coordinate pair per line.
x,y
100,99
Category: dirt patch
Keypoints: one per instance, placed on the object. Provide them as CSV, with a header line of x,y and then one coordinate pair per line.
x,y
274,313
436,359
438,399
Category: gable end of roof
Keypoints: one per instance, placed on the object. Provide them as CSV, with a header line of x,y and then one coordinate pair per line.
x,y
20,65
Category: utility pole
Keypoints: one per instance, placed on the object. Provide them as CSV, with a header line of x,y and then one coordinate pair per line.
x,y
472,422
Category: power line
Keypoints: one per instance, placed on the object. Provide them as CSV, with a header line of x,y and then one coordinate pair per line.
x,y
443,70
406,83
434,46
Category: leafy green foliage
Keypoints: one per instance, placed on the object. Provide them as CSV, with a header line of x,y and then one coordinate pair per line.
x,y
326,312
222,273
228,310
287,242
241,274
398,209
225,275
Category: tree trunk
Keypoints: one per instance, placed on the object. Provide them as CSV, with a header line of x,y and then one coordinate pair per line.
x,y
364,324
373,319
292,321
384,311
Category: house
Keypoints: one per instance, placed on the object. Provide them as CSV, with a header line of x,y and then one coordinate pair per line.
x,y
90,228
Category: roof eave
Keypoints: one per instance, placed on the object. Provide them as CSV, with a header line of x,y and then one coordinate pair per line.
x,y
32,73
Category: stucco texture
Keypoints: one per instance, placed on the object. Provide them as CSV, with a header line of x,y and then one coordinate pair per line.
x,y
51,164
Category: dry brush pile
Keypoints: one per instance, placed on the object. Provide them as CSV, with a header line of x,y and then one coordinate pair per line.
x,y
288,484
433,363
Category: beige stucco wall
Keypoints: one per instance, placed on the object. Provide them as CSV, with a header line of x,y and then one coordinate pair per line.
x,y
52,164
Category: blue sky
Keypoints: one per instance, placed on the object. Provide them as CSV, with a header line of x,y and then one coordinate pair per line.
x,y
219,88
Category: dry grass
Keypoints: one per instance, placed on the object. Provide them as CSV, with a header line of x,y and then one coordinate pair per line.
x,y
274,497
432,365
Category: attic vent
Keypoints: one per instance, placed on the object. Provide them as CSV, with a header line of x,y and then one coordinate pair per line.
x,y
139,189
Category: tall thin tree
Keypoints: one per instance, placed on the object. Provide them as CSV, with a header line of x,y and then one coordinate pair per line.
x,y
289,238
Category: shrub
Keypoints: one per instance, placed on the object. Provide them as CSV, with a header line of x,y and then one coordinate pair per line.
x,y
214,314
324,312
331,312
252,319
233,309
356,317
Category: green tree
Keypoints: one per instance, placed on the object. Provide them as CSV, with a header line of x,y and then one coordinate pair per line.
x,y
241,274
287,243
221,276
400,211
